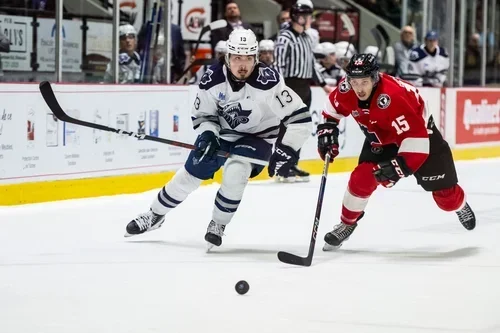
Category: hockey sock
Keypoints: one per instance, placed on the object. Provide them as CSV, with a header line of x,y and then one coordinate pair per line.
x,y
175,192
228,198
450,199
361,185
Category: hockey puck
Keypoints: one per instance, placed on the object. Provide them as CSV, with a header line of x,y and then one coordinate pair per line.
x,y
242,287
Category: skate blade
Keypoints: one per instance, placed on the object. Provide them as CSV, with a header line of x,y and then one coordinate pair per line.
x,y
285,180
302,179
209,247
328,248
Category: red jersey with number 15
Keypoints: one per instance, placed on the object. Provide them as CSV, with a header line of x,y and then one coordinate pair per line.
x,y
394,115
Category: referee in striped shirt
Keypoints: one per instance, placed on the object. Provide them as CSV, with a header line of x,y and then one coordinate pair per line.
x,y
295,60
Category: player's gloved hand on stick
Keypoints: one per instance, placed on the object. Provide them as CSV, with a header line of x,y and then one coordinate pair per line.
x,y
207,144
282,160
388,173
328,139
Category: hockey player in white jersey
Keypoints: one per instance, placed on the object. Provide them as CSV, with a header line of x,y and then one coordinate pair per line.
x,y
238,108
327,65
266,53
429,63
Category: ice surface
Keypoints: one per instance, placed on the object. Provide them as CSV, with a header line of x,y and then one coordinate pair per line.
x,y
65,267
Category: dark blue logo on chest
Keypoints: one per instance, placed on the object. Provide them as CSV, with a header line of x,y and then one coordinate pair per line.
x,y
234,115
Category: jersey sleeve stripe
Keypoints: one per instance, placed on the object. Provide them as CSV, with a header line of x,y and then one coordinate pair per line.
x,y
197,121
297,116
415,145
269,135
330,111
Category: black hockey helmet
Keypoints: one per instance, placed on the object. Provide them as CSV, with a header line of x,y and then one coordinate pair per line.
x,y
301,8
363,65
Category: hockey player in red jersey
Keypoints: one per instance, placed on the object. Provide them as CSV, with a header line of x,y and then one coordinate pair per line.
x,y
400,142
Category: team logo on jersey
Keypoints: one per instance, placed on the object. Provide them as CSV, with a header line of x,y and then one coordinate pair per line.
x,y
355,113
266,75
124,58
344,87
207,77
414,55
234,115
383,101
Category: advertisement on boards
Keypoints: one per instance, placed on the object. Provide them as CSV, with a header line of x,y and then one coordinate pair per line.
x,y
35,146
72,45
478,116
19,31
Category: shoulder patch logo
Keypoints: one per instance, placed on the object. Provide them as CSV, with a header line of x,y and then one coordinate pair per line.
x,y
344,87
123,58
414,55
383,101
207,77
267,75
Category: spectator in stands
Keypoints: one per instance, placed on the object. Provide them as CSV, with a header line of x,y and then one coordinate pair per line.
x,y
4,47
282,19
473,54
403,48
129,61
233,18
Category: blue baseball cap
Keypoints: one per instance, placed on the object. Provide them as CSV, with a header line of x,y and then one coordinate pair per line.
x,y
432,35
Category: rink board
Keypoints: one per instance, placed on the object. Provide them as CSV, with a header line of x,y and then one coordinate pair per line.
x,y
42,159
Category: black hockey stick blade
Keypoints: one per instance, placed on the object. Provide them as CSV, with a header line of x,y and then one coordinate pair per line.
x,y
292,259
51,100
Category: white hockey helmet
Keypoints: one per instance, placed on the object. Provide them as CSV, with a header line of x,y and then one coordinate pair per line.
x,y
221,47
328,48
371,49
266,45
342,47
127,29
242,42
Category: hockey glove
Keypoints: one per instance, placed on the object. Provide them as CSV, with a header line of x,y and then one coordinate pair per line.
x,y
207,144
388,173
328,140
282,160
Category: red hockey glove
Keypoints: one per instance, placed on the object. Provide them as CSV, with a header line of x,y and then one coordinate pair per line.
x,y
328,139
388,173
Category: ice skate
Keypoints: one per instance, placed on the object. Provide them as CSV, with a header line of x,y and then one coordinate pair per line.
x,y
214,235
291,178
145,222
466,217
340,233
301,176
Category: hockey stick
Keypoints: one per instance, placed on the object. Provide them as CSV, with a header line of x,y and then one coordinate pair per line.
x,y
149,32
292,259
385,36
378,39
50,98
350,28
151,70
219,24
